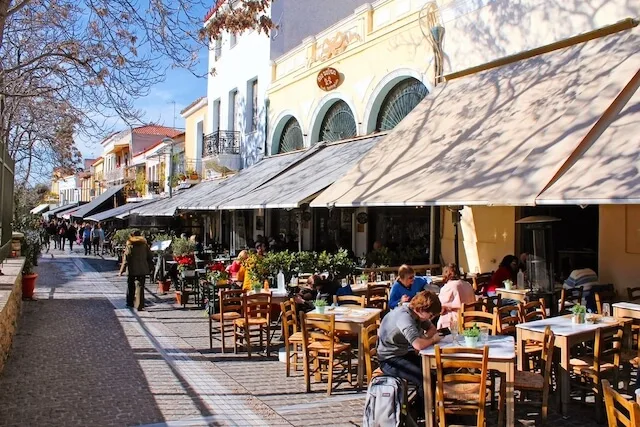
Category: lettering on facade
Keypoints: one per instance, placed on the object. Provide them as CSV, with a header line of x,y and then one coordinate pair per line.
x,y
328,79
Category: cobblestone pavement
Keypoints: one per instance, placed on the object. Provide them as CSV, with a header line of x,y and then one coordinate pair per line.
x,y
81,358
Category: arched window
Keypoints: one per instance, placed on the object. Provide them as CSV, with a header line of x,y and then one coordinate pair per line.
x,y
399,102
338,123
291,138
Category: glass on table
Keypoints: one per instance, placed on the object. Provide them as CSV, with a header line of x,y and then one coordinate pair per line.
x,y
453,327
484,335
378,278
606,309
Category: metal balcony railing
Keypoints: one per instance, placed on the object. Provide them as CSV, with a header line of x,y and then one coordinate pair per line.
x,y
187,166
154,188
221,142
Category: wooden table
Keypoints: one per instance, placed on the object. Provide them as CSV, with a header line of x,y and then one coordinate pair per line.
x,y
361,289
515,294
567,335
355,320
502,357
626,310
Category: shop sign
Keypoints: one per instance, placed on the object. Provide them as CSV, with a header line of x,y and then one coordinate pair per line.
x,y
328,79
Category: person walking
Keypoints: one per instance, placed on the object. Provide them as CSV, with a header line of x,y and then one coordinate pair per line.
x,y
62,235
72,235
86,239
97,236
138,261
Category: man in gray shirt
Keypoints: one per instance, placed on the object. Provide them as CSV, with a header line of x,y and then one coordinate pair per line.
x,y
403,333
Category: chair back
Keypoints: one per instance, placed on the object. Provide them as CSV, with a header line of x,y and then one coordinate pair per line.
x,y
231,301
534,310
257,305
478,305
620,411
466,319
317,327
634,294
350,300
370,344
568,298
454,367
289,319
377,296
606,295
506,318
608,346
548,345
480,282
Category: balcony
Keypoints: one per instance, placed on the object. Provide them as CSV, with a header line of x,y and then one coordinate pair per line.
x,y
120,174
221,153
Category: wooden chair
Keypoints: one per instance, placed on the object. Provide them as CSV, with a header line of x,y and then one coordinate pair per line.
x,y
569,298
526,381
466,319
256,320
629,416
591,370
493,302
506,318
350,300
478,305
480,283
605,296
230,303
377,297
460,393
634,294
370,349
292,335
534,310
320,343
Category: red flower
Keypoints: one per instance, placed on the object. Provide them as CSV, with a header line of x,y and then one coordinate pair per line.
x,y
217,266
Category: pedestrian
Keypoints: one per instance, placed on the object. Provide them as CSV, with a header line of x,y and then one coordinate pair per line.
x,y
53,232
97,237
72,235
62,235
138,261
86,239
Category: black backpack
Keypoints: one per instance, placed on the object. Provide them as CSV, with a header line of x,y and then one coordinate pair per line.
x,y
386,404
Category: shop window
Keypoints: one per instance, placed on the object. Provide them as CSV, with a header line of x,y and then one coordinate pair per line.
x,y
400,101
291,138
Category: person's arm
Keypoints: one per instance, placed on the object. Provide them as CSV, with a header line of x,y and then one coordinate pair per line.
x,y
414,334
125,255
395,296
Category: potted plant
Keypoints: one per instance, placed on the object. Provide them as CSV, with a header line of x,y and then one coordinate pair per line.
x,y
217,274
471,335
31,251
320,305
508,284
192,174
257,287
579,312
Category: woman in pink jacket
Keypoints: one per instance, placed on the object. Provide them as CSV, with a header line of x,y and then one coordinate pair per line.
x,y
453,295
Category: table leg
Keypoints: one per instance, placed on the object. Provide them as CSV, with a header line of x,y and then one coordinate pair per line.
x,y
360,356
511,377
565,385
519,349
428,394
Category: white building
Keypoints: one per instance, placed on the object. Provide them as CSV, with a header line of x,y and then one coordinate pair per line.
x,y
69,189
236,92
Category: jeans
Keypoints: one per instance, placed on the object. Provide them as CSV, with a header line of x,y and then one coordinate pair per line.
x,y
86,243
408,367
131,291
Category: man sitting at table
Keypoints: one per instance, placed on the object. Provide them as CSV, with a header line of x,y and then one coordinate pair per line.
x,y
403,333
406,286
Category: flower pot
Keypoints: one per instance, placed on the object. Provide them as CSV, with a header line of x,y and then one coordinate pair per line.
x,y
471,341
578,318
28,285
320,310
164,286
179,297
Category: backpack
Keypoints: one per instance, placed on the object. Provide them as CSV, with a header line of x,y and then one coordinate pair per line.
x,y
386,402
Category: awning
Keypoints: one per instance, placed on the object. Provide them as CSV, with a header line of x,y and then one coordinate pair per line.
x,y
494,138
96,204
300,183
211,197
608,171
62,209
40,209
67,212
121,212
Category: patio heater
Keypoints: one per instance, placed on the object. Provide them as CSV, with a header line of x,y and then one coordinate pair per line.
x,y
539,265
456,217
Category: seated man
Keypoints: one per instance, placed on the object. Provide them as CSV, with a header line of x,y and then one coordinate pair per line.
x,y
406,286
586,279
403,333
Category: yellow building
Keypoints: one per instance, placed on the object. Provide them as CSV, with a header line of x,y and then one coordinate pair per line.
x,y
97,182
195,123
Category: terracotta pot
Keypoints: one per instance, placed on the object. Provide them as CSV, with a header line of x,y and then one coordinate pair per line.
x,y
28,285
164,286
179,297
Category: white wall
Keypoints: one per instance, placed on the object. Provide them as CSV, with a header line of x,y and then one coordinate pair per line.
x,y
69,191
236,67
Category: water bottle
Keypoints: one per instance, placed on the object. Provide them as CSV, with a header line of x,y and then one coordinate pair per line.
x,y
280,279
520,279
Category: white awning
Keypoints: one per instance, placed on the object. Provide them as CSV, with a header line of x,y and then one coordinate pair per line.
x,y
119,212
608,171
40,209
493,138
301,182
97,203
213,197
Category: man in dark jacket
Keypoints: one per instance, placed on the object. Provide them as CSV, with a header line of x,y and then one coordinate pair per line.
x,y
137,259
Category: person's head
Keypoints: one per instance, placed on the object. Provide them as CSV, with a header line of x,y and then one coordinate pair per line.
x,y
510,262
314,281
426,305
406,275
243,255
261,248
377,245
450,272
136,233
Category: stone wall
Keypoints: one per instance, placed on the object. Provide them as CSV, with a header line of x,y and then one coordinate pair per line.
x,y
10,304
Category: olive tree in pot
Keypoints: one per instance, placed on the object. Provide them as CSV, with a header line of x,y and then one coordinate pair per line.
x,y
31,250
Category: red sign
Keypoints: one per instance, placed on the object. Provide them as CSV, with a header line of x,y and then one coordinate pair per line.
x,y
328,79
